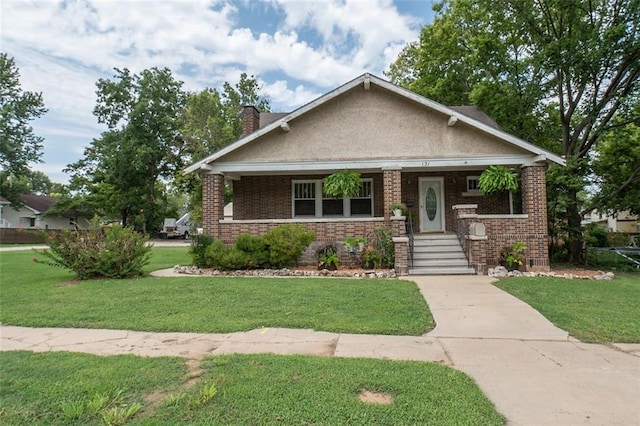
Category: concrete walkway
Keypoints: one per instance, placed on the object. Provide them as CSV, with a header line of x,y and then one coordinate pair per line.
x,y
533,372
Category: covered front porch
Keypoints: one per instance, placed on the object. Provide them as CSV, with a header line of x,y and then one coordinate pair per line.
x,y
439,200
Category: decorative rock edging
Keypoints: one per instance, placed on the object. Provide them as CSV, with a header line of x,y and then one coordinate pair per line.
x,y
285,272
501,272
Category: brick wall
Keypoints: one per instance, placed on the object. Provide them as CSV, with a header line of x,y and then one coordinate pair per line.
x,y
327,231
392,190
269,197
212,203
534,203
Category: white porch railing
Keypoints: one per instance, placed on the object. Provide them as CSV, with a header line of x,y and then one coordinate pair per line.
x,y
4,223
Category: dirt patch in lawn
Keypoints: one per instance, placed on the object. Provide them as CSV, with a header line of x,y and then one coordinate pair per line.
x,y
375,397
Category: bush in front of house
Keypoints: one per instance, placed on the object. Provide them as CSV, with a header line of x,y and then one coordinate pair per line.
x,y
198,249
281,247
99,252
287,243
381,243
226,258
256,249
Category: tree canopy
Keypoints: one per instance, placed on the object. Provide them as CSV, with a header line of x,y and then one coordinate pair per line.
x,y
133,171
19,145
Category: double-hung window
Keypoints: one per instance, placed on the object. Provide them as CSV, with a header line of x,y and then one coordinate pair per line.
x,y
309,200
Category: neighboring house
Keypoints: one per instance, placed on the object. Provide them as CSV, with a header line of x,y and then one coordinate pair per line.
x,y
32,214
618,222
408,149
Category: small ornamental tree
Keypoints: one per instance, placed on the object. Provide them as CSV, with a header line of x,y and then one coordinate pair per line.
x,y
98,252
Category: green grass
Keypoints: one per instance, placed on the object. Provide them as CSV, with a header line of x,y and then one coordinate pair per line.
x,y
592,311
168,257
39,295
65,388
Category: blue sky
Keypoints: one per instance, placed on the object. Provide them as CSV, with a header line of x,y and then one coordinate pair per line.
x,y
296,49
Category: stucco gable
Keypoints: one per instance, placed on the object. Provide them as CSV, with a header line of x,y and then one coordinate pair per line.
x,y
369,118
370,124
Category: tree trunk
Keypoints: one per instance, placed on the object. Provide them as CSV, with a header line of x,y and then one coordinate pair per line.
x,y
574,242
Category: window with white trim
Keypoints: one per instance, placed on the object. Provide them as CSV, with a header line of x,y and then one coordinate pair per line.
x,y
473,184
309,200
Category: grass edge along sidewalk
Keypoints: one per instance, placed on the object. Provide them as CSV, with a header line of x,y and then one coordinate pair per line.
x,y
62,388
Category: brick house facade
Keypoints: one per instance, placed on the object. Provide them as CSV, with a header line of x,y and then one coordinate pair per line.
x,y
404,146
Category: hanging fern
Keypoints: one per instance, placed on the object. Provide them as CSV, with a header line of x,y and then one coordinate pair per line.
x,y
342,184
496,179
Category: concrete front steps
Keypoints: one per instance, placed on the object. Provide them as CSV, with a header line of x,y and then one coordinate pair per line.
x,y
439,254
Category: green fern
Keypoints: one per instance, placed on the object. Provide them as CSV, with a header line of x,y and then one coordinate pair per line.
x,y
496,179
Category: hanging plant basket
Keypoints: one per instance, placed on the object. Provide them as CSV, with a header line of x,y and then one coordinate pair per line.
x,y
497,179
342,184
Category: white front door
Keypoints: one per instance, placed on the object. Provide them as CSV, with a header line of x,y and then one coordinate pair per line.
x,y
431,204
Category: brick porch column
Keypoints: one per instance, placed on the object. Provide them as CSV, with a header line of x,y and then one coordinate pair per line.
x,y
534,204
392,183
400,245
212,203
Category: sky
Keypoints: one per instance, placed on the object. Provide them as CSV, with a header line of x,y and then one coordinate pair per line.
x,y
296,49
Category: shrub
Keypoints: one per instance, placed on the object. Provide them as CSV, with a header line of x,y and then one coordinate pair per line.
x,y
233,259
111,252
371,258
214,252
382,242
327,257
286,244
199,245
595,235
256,249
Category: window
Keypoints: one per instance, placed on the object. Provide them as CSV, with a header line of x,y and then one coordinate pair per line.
x,y
304,198
309,200
472,184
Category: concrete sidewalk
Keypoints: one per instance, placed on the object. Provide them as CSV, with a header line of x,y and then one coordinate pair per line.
x,y
532,371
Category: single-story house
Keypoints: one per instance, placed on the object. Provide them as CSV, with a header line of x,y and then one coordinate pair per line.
x,y
32,214
407,149
618,222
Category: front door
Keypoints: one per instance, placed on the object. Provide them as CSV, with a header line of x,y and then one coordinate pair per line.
x,y
431,204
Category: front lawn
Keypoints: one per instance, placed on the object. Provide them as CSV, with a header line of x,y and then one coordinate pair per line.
x,y
66,388
43,296
592,311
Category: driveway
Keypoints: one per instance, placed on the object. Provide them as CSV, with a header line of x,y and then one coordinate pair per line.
x,y
533,372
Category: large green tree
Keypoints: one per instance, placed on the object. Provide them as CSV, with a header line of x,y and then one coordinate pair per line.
x,y
210,121
616,168
555,72
19,145
120,171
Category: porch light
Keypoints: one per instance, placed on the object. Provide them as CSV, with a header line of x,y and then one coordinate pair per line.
x,y
452,121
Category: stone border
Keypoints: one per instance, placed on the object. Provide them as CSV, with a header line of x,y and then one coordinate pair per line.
x,y
501,272
286,272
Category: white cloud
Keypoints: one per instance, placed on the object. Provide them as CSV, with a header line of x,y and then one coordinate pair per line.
x,y
63,47
280,94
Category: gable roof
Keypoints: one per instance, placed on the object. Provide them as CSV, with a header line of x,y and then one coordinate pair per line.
x,y
472,116
38,203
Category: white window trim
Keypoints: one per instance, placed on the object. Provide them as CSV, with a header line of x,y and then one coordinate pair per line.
x,y
319,197
472,192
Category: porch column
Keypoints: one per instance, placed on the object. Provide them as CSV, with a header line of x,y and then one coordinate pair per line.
x,y
392,182
534,204
212,203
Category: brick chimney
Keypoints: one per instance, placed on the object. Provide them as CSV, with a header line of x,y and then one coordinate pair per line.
x,y
250,119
